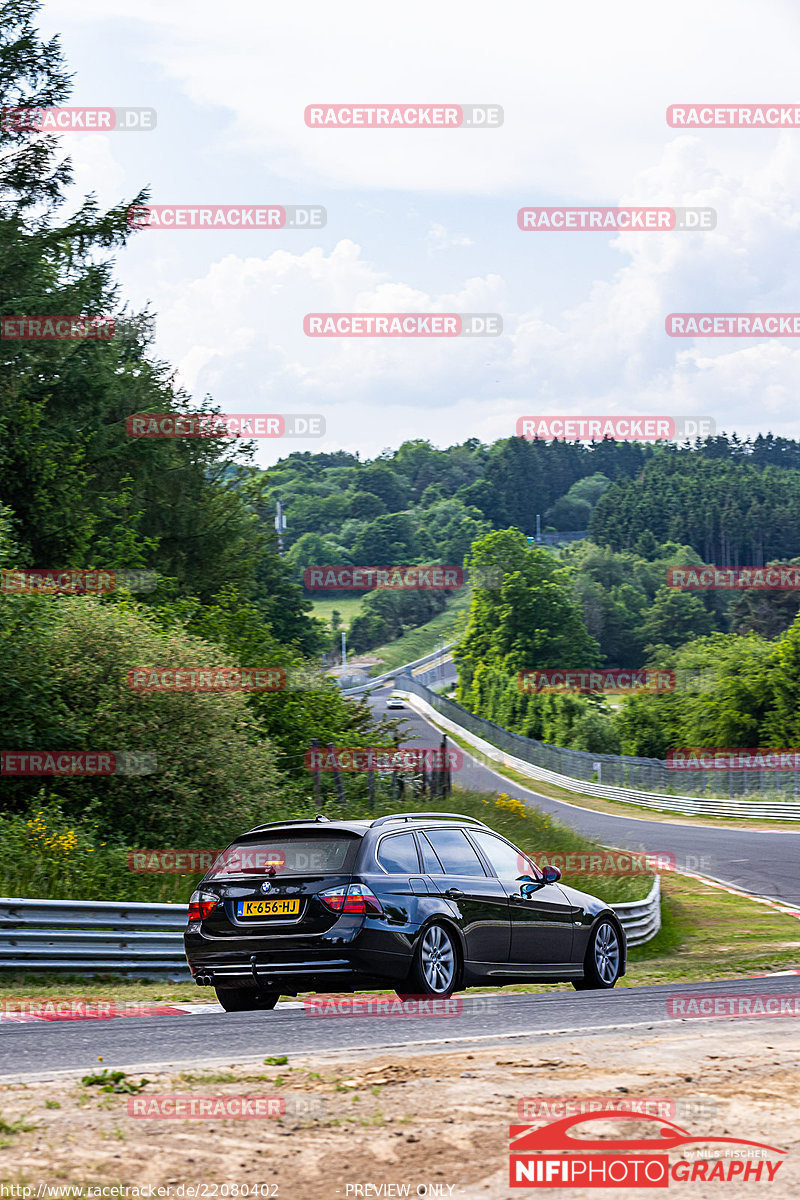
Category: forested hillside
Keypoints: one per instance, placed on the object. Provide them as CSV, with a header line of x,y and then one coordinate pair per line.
x,y
77,491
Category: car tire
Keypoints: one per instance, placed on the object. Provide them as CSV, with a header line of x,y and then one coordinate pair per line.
x,y
603,961
245,999
434,970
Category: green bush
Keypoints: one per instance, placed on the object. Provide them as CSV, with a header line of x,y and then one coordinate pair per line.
x,y
47,853
214,769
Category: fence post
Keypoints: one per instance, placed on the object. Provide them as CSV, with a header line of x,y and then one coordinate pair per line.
x,y
441,775
315,775
337,776
447,778
395,787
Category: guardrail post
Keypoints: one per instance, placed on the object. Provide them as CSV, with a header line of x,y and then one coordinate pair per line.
x,y
315,776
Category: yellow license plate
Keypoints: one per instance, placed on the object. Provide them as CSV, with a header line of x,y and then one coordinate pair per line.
x,y
268,908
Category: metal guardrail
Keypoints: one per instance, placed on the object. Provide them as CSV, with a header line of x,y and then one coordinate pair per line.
x,y
90,936
641,919
531,758
93,937
559,538
405,669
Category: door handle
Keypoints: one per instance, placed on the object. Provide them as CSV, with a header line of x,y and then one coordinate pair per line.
x,y
454,893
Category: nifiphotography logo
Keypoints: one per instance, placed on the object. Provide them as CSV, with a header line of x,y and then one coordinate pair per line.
x,y
577,1151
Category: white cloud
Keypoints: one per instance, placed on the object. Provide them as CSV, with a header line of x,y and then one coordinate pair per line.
x,y
438,238
237,329
584,88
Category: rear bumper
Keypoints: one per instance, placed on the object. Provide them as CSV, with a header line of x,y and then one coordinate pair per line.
x,y
308,966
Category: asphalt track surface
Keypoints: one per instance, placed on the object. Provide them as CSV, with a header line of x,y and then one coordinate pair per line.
x,y
47,1048
761,862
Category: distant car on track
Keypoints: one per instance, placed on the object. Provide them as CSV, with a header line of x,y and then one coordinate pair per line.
x,y
426,903
395,702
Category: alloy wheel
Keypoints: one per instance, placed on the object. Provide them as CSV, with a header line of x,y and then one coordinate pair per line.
x,y
438,960
606,952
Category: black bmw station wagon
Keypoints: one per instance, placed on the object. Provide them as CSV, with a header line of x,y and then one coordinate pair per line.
x,y
424,903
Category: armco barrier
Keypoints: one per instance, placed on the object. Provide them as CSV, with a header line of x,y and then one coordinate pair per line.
x,y
88,937
534,759
641,919
405,669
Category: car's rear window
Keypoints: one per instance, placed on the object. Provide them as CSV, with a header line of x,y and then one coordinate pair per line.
x,y
287,855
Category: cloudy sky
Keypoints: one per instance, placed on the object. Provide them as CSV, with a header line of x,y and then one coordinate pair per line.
x,y
425,220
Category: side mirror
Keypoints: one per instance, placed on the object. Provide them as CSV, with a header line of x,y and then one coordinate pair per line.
x,y
527,885
551,874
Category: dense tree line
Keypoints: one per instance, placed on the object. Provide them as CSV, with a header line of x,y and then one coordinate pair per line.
x,y
616,486
735,655
732,513
733,691
76,491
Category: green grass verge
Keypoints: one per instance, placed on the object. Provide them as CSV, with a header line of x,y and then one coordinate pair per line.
x,y
347,607
710,934
416,643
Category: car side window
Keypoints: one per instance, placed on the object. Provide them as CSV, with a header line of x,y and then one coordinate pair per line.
x,y
454,852
398,854
430,863
508,862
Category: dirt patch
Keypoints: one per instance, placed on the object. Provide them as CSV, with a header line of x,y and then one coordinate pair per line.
x,y
430,1121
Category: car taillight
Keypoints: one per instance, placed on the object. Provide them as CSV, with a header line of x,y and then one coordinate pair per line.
x,y
357,898
201,904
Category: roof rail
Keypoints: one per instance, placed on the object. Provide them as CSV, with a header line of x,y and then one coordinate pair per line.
x,y
413,816
299,821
